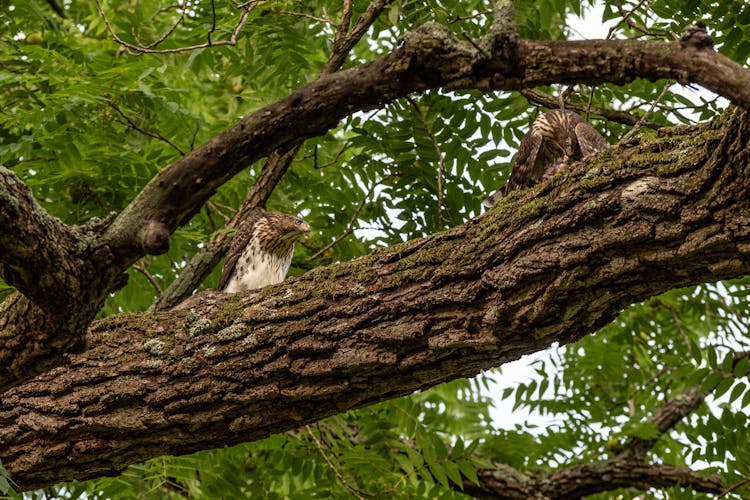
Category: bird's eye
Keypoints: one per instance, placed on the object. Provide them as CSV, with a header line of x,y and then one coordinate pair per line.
x,y
299,222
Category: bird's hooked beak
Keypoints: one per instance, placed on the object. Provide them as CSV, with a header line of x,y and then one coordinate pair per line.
x,y
303,227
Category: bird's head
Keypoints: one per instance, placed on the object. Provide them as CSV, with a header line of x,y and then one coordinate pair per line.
x,y
293,226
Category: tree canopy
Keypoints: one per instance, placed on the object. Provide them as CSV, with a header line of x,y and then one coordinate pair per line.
x,y
135,136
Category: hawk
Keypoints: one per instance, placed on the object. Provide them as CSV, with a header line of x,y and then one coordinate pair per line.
x,y
261,251
556,139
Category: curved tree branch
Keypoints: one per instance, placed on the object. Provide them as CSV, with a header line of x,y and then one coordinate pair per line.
x,y
44,259
549,264
431,57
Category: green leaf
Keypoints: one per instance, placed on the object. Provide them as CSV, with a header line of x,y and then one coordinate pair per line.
x,y
452,471
645,430
438,472
741,367
723,386
468,471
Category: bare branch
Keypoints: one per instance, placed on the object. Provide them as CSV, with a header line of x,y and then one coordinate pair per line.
x,y
305,15
638,125
147,50
734,487
614,115
131,124
340,51
168,32
141,268
626,18
351,489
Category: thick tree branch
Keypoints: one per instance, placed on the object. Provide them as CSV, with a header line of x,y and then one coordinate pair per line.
x,y
550,264
430,58
579,480
34,244
44,259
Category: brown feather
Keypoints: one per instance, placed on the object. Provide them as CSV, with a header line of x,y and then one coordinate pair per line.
x,y
239,242
555,135
261,250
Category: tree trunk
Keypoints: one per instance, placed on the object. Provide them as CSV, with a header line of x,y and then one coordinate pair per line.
x,y
549,264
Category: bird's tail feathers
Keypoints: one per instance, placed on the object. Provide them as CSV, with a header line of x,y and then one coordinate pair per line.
x,y
493,198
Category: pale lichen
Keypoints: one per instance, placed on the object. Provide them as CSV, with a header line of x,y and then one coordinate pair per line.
x,y
232,332
154,346
196,324
357,290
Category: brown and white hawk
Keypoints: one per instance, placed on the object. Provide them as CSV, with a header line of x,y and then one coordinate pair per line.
x,y
261,251
556,139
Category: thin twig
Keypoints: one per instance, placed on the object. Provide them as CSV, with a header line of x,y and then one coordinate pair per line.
x,y
141,268
471,16
590,102
335,158
344,482
302,14
146,50
213,23
350,226
164,35
734,487
613,115
215,207
129,123
476,45
626,18
441,159
639,125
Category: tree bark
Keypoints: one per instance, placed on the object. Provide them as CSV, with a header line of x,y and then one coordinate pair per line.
x,y
431,57
580,480
549,264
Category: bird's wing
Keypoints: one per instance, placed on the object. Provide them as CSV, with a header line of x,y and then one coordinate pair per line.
x,y
525,170
589,139
239,242
523,167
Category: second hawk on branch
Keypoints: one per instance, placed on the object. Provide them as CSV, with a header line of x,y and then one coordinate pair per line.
x,y
556,139
261,251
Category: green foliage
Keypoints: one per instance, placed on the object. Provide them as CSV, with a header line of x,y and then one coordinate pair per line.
x,y
86,124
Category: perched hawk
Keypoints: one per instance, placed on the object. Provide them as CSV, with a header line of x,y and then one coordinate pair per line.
x,y
261,251
556,139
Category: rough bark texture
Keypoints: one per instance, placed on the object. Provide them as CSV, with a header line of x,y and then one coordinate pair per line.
x,y
430,57
587,479
47,261
547,265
